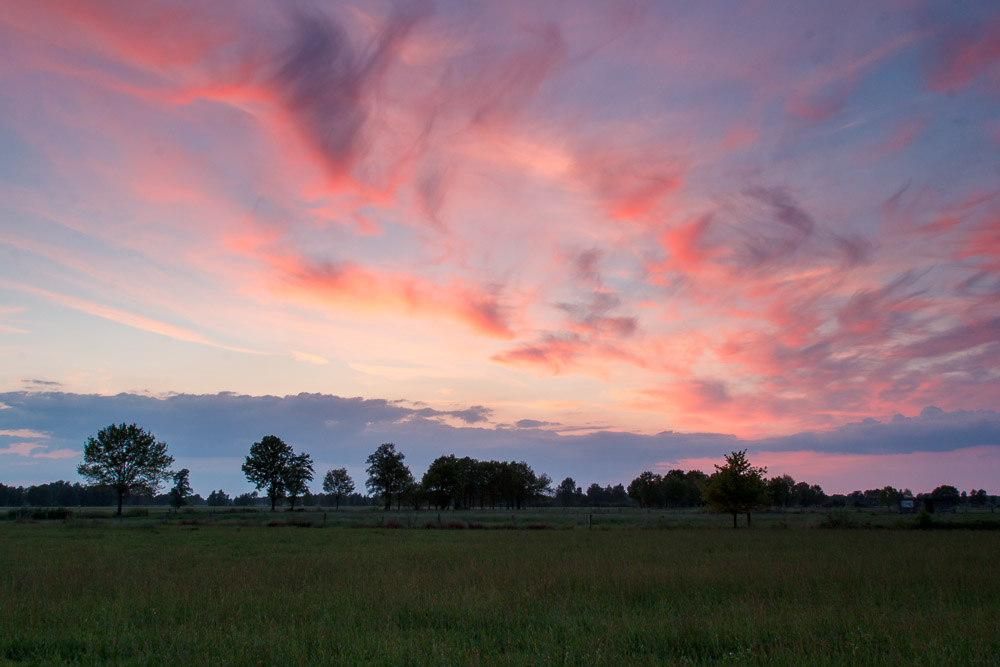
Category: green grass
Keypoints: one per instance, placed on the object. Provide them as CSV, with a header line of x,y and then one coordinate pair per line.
x,y
145,592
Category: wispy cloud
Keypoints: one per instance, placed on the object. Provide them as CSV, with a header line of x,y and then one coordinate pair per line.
x,y
635,215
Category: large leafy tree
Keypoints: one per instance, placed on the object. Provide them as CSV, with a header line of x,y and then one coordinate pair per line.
x,y
387,474
298,474
947,493
267,464
736,487
338,483
445,481
645,489
126,458
779,490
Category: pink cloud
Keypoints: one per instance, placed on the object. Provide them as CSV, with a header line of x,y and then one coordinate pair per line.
x,y
125,317
631,185
20,448
557,354
58,454
966,56
903,136
360,288
22,433
739,136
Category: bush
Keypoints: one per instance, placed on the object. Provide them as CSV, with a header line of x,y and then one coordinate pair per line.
x,y
36,514
837,519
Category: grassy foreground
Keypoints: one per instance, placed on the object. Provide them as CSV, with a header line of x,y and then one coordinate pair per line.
x,y
174,594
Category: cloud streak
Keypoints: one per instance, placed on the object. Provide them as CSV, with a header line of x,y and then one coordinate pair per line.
x,y
766,221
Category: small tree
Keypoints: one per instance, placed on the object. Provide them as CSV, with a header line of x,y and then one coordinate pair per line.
x,y
779,490
126,458
568,493
298,474
245,499
386,472
736,487
265,466
217,499
182,489
338,483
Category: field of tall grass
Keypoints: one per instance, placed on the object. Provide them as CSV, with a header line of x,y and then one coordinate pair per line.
x,y
149,592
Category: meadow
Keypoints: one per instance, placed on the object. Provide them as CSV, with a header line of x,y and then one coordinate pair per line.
x,y
150,591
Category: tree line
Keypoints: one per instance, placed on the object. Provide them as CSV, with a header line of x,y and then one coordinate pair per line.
x,y
127,461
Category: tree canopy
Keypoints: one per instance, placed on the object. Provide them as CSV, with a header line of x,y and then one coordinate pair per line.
x,y
387,474
126,458
181,490
298,473
736,487
273,465
338,483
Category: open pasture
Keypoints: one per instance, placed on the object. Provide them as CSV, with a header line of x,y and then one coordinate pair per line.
x,y
145,592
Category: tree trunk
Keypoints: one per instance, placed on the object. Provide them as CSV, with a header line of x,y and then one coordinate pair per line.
x,y
337,509
274,499
734,520
121,494
748,519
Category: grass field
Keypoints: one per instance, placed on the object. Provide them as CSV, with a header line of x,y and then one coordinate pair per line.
x,y
147,592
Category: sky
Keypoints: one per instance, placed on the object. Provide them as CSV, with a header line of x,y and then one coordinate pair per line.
x,y
599,237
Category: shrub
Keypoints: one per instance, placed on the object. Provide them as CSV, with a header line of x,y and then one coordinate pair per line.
x,y
837,519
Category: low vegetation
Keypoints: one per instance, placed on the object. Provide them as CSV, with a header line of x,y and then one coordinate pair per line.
x,y
228,591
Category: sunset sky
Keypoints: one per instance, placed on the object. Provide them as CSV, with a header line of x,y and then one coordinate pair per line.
x,y
601,237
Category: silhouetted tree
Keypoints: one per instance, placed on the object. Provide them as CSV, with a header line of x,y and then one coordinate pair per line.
x,y
266,465
445,481
645,489
779,490
947,493
597,496
298,473
889,496
338,483
387,474
244,499
805,495
568,493
126,458
181,490
218,499
736,487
